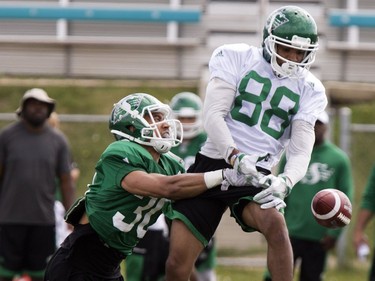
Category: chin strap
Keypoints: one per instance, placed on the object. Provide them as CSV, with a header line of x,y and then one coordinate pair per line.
x,y
161,146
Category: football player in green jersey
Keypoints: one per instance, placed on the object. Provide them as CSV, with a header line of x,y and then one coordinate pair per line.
x,y
134,180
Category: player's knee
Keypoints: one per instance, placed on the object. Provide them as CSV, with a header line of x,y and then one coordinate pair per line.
x,y
274,227
176,267
172,264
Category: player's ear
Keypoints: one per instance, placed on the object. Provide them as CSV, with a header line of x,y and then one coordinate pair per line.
x,y
131,129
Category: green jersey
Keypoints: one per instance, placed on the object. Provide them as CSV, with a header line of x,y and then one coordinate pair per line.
x,y
121,218
189,148
329,168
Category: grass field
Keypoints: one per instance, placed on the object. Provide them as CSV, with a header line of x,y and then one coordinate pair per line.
x,y
354,272
225,273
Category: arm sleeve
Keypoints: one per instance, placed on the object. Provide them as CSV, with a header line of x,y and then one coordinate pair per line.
x,y
218,102
299,150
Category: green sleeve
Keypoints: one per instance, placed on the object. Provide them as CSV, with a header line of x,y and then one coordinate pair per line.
x,y
368,196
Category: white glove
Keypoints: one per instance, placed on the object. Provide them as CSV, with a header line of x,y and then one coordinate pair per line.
x,y
234,178
271,201
275,190
244,164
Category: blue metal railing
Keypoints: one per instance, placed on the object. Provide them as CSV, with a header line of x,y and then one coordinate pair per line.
x,y
343,18
91,13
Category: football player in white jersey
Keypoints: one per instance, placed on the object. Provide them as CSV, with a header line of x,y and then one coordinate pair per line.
x,y
259,102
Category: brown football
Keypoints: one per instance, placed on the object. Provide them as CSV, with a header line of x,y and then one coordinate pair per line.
x,y
331,208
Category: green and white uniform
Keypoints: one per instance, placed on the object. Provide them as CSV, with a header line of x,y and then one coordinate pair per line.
x,y
264,105
119,217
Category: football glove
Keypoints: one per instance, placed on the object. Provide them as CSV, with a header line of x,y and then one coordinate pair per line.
x,y
271,201
234,178
275,190
246,164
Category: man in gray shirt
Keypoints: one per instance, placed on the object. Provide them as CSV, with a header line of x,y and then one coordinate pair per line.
x,y
33,156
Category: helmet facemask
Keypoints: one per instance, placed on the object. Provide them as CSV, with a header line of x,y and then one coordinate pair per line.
x,y
162,142
290,68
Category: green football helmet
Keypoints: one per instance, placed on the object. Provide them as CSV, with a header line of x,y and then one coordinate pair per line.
x,y
188,105
127,122
293,27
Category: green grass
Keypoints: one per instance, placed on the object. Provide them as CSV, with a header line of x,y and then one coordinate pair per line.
x,y
231,273
250,273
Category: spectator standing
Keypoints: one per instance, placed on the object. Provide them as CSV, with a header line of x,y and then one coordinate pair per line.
x,y
364,217
32,156
258,102
132,180
329,168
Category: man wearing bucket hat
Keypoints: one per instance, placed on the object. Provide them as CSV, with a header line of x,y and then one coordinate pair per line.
x,y
32,156
329,168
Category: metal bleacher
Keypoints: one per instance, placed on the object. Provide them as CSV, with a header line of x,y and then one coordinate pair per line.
x,y
169,39
88,39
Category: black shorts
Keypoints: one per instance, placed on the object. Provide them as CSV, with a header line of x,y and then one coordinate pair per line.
x,y
83,256
202,214
25,248
149,256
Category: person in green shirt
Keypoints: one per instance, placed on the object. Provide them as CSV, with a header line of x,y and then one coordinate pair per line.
x,y
364,216
329,168
134,182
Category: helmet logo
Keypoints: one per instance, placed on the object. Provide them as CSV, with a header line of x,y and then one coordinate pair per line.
x,y
120,111
116,115
124,108
279,20
133,103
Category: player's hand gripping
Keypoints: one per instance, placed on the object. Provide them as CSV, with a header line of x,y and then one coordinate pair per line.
x,y
245,164
234,178
275,190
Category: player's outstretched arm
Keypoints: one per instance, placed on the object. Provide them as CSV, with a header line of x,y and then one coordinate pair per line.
x,y
182,185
